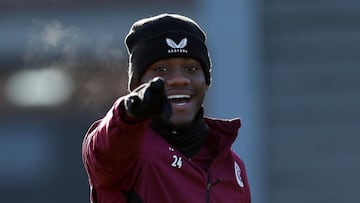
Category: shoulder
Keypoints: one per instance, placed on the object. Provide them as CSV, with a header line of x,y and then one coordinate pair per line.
x,y
224,124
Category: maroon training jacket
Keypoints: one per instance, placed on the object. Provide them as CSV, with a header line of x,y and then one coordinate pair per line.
x,y
127,161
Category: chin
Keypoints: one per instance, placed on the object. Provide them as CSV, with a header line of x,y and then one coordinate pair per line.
x,y
180,121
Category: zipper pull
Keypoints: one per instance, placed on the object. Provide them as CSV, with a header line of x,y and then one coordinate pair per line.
x,y
209,185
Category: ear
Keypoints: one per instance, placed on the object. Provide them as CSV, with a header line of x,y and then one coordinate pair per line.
x,y
206,87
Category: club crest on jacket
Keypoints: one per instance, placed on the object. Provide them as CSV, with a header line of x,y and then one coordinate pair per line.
x,y
238,174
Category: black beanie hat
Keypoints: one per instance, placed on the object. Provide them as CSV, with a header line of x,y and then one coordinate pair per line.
x,y
165,36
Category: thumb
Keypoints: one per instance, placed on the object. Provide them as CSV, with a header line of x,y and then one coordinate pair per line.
x,y
157,83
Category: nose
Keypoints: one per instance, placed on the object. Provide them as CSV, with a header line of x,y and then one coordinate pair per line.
x,y
177,78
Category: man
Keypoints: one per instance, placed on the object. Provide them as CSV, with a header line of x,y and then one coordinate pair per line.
x,y
155,145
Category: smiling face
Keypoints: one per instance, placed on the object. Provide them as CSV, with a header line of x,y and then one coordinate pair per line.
x,y
185,86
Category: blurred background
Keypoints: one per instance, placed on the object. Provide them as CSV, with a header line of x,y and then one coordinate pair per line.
x,y
289,69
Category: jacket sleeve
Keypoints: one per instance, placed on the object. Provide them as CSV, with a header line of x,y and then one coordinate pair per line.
x,y
111,146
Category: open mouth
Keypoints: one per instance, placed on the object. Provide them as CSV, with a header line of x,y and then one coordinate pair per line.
x,y
179,98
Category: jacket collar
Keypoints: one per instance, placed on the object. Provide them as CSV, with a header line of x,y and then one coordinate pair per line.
x,y
222,132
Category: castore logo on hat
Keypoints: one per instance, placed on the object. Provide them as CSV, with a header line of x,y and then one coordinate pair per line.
x,y
177,48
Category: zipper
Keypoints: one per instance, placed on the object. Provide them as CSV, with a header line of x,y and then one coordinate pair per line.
x,y
208,187
209,183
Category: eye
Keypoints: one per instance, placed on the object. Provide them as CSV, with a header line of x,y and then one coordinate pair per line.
x,y
160,69
192,68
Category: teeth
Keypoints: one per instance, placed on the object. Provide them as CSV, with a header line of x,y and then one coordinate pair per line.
x,y
179,96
